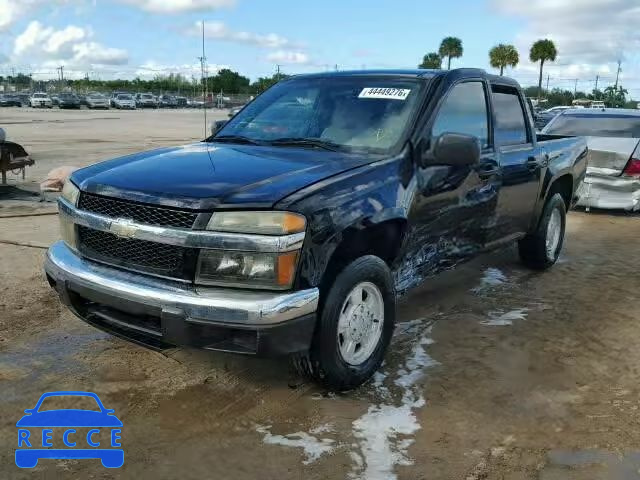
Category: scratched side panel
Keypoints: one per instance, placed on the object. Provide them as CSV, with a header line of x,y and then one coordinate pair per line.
x,y
442,227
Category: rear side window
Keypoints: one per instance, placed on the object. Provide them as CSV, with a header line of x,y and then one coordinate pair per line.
x,y
599,125
464,111
510,126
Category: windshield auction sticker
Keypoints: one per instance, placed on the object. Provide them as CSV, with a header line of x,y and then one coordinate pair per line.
x,y
385,93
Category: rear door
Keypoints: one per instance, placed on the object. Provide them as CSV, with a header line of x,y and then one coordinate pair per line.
x,y
521,163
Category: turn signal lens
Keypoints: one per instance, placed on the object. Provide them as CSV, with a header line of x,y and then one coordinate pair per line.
x,y
259,223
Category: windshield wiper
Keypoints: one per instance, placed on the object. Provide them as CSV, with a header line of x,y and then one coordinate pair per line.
x,y
234,139
307,142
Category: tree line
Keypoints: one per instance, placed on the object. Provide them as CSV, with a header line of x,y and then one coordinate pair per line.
x,y
505,55
226,81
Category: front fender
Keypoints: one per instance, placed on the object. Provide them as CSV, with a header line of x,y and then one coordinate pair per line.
x,y
347,203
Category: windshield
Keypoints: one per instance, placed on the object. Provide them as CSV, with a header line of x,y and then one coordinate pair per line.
x,y
95,96
124,97
146,95
356,112
39,95
613,125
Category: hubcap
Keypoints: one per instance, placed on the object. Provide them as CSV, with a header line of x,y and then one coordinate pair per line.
x,y
360,323
554,231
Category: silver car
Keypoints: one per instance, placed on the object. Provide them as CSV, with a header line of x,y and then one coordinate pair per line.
x,y
613,161
97,100
125,101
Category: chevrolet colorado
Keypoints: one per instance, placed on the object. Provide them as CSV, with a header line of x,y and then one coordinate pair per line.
x,y
295,226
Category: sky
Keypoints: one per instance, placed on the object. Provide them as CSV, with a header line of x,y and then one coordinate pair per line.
x,y
128,38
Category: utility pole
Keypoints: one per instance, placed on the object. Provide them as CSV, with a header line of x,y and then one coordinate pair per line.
x,y
547,83
203,59
618,73
575,88
595,92
336,67
278,70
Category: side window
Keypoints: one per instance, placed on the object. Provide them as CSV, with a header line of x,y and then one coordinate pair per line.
x,y
510,126
464,111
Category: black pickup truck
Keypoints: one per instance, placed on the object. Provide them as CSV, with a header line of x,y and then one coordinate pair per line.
x,y
295,226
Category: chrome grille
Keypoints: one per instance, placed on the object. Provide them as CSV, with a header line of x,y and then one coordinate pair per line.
x,y
150,215
139,255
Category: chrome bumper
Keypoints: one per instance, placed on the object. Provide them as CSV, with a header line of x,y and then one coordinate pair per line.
x,y
200,305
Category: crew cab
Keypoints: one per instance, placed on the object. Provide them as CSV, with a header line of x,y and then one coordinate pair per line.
x,y
295,226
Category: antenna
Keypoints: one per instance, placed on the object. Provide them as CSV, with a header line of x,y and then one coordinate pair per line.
x,y
203,60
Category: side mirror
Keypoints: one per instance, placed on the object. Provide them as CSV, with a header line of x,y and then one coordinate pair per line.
x,y
455,149
217,125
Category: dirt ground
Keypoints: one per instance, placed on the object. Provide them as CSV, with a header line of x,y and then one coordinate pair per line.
x,y
495,372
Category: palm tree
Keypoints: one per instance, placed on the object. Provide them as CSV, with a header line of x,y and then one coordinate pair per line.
x,y
451,47
502,56
542,51
431,60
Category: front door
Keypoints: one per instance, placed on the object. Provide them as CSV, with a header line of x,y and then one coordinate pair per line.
x,y
454,206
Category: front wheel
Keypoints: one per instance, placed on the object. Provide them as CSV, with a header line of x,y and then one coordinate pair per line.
x,y
354,327
541,249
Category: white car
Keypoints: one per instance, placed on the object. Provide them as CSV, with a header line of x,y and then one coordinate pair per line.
x,y
124,101
40,100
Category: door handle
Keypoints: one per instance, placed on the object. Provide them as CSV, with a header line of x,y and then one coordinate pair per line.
x,y
533,163
486,170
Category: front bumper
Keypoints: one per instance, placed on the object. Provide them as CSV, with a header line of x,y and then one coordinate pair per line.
x,y
159,313
610,192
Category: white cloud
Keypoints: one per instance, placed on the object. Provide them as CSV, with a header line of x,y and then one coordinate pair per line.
x,y
70,46
288,57
177,6
590,35
13,10
219,31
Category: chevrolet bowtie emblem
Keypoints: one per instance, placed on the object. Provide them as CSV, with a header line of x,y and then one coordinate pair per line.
x,y
123,227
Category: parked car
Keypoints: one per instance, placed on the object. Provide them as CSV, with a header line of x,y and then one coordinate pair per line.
x,y
9,100
125,101
146,100
112,99
598,104
234,111
97,100
181,102
39,99
361,187
545,116
613,172
68,100
168,101
83,100
24,98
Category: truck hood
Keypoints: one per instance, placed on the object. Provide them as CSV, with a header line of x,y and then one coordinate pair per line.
x,y
204,176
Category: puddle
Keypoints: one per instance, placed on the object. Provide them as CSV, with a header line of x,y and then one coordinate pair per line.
x,y
491,277
380,438
501,319
312,446
600,463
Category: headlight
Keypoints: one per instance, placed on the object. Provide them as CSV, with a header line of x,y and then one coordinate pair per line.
x,y
68,231
70,192
260,223
247,269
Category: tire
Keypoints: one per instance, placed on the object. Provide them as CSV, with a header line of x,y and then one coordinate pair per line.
x,y
541,249
326,363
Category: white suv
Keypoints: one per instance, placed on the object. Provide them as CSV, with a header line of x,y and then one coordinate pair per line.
x,y
40,100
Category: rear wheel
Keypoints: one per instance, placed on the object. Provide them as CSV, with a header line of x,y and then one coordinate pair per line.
x,y
354,327
541,249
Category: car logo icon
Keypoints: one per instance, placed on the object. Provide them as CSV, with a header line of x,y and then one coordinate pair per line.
x,y
36,432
